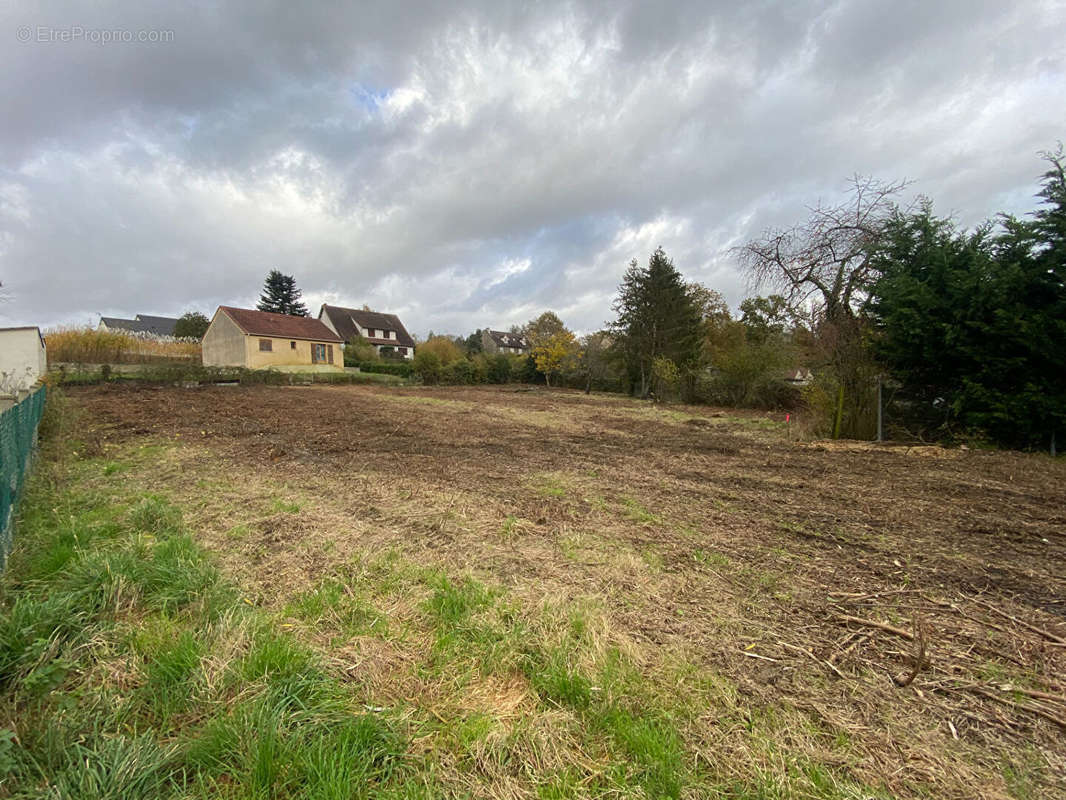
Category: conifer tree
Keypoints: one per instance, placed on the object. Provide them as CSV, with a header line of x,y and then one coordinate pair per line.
x,y
657,318
280,295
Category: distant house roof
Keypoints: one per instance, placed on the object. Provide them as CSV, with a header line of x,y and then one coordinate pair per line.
x,y
507,339
143,323
344,320
164,326
117,323
282,326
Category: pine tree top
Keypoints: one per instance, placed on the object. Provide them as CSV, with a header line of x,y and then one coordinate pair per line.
x,y
280,295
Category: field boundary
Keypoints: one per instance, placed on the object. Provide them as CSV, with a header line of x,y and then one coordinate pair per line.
x,y
18,441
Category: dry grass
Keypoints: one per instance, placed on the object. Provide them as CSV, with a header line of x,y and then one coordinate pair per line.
x,y
759,595
91,346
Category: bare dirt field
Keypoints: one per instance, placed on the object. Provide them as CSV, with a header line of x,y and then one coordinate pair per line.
x,y
811,619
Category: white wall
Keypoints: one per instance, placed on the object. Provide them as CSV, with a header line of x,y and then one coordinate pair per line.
x,y
23,360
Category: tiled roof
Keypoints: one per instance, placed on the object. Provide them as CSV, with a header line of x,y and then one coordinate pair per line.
x,y
345,320
282,326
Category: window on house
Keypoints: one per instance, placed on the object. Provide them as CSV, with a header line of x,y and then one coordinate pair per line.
x,y
321,353
369,333
266,345
402,350
292,345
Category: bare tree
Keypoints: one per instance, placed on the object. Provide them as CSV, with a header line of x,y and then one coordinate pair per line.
x,y
824,259
823,268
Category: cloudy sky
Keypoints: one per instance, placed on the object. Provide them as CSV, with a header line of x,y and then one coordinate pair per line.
x,y
473,164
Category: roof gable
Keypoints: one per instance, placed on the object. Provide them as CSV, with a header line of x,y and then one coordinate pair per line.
x,y
282,326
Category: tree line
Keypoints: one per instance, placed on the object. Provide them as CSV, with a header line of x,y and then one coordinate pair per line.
x,y
965,329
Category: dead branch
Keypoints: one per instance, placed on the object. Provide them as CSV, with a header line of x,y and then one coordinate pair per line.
x,y
919,658
884,626
814,657
1022,622
858,641
756,655
1040,711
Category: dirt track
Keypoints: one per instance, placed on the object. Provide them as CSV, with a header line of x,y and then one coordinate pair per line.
x,y
741,543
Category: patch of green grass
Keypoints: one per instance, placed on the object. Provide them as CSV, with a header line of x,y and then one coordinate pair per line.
x,y
549,485
710,558
652,742
453,602
115,467
170,663
508,526
280,506
130,768
238,532
332,602
634,511
118,652
557,680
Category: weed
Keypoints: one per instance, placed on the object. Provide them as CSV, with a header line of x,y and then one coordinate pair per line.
x,y
155,515
637,513
710,558
280,506
508,526
451,604
557,680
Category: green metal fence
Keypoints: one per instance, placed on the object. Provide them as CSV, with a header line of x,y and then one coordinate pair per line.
x,y
18,437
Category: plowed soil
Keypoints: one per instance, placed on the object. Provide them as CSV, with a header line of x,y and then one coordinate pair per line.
x,y
816,576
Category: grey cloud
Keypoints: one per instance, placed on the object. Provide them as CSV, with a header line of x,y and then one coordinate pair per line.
x,y
405,157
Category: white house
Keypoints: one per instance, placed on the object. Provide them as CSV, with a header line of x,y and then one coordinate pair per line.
x,y
384,331
23,358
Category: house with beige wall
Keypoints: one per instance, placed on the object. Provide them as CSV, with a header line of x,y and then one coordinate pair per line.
x,y
23,358
241,337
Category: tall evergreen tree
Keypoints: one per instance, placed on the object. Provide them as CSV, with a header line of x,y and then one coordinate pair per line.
x,y
657,318
280,295
974,323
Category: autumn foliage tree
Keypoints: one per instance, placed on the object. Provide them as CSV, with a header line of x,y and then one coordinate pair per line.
x,y
555,353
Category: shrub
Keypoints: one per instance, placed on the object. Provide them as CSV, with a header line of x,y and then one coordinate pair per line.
x,y
428,366
359,351
665,379
497,368
443,348
402,369
461,372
